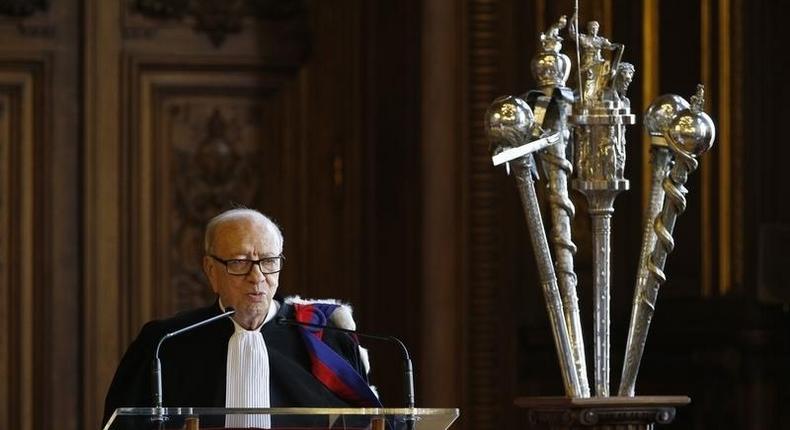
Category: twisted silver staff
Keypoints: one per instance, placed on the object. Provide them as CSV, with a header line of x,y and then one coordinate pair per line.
x,y
657,120
558,169
510,124
690,134
553,105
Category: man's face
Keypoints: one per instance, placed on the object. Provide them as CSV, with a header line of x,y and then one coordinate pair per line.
x,y
250,294
627,77
592,28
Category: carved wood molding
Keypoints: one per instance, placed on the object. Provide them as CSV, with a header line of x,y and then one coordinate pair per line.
x,y
31,18
22,8
219,19
23,263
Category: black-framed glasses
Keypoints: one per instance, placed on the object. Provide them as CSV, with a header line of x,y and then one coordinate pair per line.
x,y
243,267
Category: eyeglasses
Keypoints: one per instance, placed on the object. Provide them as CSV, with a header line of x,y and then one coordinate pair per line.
x,y
267,265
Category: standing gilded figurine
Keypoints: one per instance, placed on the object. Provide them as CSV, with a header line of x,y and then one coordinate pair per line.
x,y
595,70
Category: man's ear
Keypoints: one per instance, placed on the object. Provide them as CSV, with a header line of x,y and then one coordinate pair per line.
x,y
208,269
206,265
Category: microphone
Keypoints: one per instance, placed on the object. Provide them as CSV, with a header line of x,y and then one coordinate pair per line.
x,y
408,373
157,370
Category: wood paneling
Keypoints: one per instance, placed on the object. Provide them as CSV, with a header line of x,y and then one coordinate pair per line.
x,y
390,252
39,224
18,84
443,149
483,317
39,320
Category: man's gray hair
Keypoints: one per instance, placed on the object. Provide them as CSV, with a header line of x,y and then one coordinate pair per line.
x,y
235,214
626,67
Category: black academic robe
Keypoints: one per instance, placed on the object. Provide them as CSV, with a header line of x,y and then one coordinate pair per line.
x,y
194,364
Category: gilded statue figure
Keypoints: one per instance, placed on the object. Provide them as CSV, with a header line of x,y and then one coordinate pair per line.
x,y
551,39
595,69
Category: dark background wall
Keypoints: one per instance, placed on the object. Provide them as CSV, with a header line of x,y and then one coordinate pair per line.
x,y
126,124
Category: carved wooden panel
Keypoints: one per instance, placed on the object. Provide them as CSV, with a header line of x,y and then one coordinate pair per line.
x,y
203,138
211,152
277,30
22,8
218,20
22,334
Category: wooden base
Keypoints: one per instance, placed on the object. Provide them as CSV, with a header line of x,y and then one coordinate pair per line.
x,y
600,413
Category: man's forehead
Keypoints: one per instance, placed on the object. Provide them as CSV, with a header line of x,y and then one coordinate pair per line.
x,y
242,235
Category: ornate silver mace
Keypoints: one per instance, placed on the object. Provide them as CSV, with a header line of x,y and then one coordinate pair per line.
x,y
658,118
600,162
553,104
690,134
514,138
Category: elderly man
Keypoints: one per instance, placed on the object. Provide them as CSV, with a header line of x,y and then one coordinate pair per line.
x,y
249,360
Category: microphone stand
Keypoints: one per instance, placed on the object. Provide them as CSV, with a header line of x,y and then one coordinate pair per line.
x,y
157,369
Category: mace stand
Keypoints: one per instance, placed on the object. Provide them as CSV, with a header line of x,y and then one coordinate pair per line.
x,y
596,413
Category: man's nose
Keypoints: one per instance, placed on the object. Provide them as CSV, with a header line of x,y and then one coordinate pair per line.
x,y
256,273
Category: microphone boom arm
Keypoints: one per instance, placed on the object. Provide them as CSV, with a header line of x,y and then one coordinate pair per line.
x,y
157,372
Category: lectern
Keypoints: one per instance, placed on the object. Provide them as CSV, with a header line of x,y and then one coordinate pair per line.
x,y
292,418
